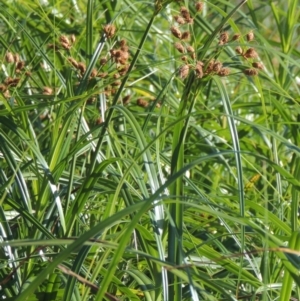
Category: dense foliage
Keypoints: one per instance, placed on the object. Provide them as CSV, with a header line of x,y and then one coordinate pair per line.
x,y
149,150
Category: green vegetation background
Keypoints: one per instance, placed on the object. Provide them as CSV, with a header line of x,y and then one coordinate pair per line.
x,y
145,159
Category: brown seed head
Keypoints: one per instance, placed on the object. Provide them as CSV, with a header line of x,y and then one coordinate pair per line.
x,y
199,6
235,37
199,69
179,20
142,103
250,53
82,67
185,35
185,12
250,36
66,45
210,67
239,50
3,88
176,32
250,72
184,58
184,71
102,74
20,65
126,99
258,65
109,30
217,67
123,70
189,20
9,57
73,62
93,73
47,91
224,72
64,39
179,47
224,38
73,38
103,61
16,58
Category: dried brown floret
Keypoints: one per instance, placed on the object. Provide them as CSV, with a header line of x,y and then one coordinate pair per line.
x,y
66,45
123,43
16,58
258,65
82,67
9,57
250,36
47,91
199,6
250,53
224,38
191,50
210,67
142,103
224,72
235,37
179,20
3,88
176,32
217,66
102,74
20,66
239,50
93,73
109,30
64,39
179,47
184,71
126,99
185,13
12,82
186,35
103,61
189,20
116,83
123,70
184,58
251,72
73,62
199,69
73,38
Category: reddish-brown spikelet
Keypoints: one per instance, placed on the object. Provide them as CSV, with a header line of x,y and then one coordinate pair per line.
x,y
176,32
142,103
47,91
16,58
82,67
184,12
12,82
184,71
66,46
20,66
123,70
199,6
250,53
239,50
251,72
103,61
109,30
235,37
186,35
9,57
224,37
217,66
73,62
3,88
210,67
184,58
102,74
93,73
258,65
224,72
179,47
250,36
126,99
199,69
179,20
64,39
73,38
